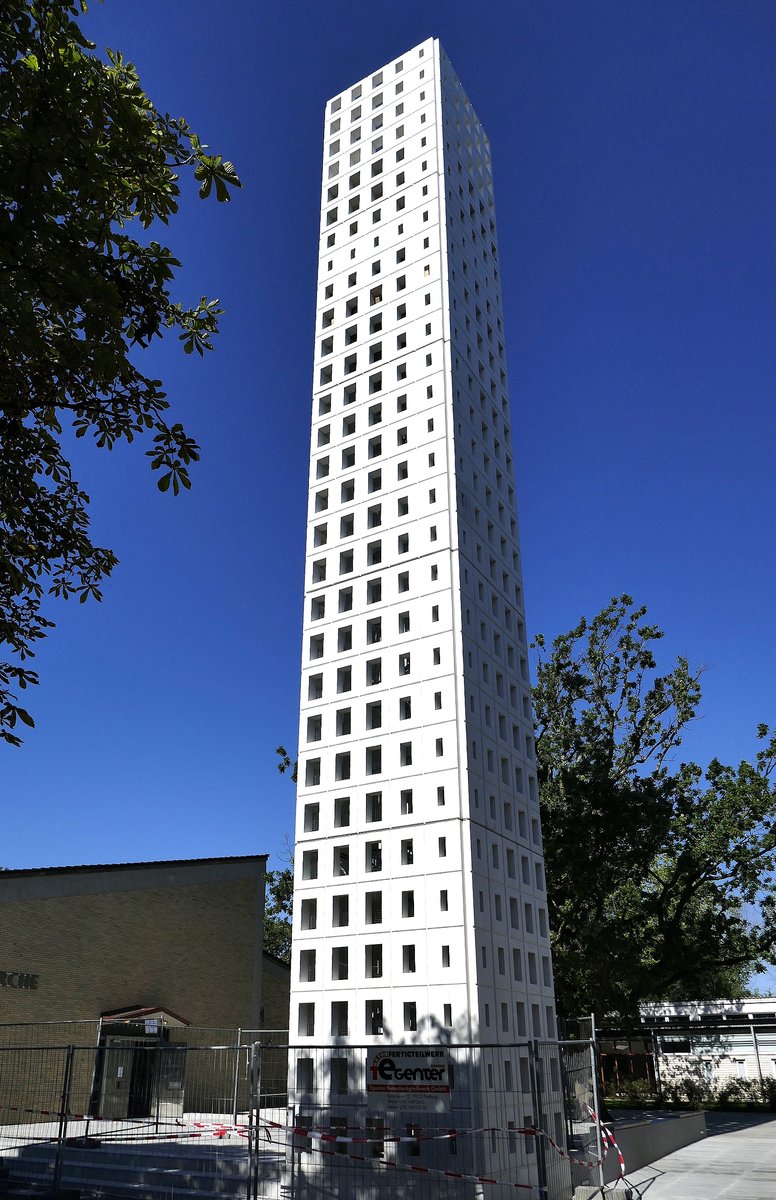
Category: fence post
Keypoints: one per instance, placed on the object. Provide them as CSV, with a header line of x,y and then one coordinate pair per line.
x,y
656,1066
756,1050
236,1076
157,1077
95,1078
64,1108
537,1082
599,1118
254,1100
291,1112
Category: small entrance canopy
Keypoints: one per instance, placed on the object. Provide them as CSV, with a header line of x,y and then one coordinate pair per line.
x,y
162,1017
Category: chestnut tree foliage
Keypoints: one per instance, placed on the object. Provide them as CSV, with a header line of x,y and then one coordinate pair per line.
x,y
277,913
88,166
660,874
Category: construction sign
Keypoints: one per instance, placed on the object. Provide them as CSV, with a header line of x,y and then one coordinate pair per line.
x,y
405,1080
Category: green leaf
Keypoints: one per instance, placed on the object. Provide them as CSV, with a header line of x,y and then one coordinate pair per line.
x,y
678,903
89,159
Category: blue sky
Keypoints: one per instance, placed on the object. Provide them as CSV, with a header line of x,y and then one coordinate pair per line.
x,y
634,167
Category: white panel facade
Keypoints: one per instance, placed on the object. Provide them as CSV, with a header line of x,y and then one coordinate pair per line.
x,y
420,910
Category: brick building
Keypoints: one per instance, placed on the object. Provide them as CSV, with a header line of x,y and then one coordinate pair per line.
x,y
124,955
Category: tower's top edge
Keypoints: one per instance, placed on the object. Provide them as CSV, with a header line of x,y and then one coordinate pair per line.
x,y
429,52
429,49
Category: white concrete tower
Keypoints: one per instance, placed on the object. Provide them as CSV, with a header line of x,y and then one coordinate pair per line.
x,y
420,911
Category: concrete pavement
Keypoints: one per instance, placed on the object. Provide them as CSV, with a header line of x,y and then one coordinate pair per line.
x,y
735,1161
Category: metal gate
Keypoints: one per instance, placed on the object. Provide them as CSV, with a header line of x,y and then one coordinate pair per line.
x,y
572,1142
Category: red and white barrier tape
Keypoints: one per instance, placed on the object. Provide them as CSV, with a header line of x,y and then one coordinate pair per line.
x,y
218,1129
582,1162
437,1172
319,1136
385,1135
608,1137
43,1112
194,1129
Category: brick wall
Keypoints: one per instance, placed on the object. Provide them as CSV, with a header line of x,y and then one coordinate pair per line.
x,y
150,936
275,994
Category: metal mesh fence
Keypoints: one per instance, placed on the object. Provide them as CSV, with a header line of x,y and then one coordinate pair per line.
x,y
155,1119
389,1141
31,1089
566,1077
89,1032
265,1121
50,1033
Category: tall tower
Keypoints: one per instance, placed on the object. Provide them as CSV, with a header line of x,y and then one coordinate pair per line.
x,y
420,912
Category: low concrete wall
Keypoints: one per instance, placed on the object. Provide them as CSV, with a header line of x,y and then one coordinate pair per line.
x,y
644,1141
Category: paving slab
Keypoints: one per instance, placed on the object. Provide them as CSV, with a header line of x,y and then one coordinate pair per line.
x,y
735,1161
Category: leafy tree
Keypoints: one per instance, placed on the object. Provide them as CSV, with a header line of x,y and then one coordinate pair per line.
x,y
84,153
287,763
280,886
277,913
711,889
660,880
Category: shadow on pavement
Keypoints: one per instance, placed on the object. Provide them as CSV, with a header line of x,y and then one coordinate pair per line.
x,y
716,1122
731,1122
